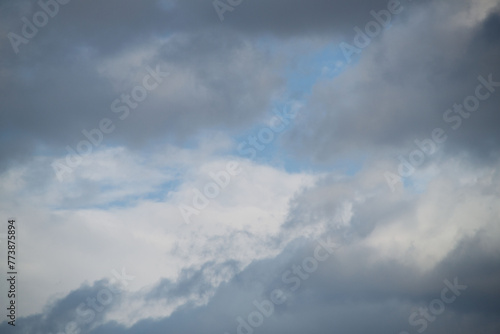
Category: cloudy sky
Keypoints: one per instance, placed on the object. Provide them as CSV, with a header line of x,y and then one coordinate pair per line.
x,y
251,166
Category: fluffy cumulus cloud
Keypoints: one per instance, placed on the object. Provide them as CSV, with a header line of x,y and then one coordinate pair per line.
x,y
250,167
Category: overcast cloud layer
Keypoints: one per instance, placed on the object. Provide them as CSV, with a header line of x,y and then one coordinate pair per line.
x,y
251,166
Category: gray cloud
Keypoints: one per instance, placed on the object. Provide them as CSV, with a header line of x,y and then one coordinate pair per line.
x,y
217,80
402,86
225,78
74,308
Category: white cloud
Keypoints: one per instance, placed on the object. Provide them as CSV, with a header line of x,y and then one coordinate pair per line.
x,y
146,237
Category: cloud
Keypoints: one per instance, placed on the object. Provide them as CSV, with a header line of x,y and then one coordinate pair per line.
x,y
204,90
402,86
139,216
357,281
324,177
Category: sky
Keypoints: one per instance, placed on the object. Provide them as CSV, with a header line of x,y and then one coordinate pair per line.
x,y
237,166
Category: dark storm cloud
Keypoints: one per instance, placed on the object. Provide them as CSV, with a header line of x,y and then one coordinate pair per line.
x,y
58,68
474,263
109,26
215,83
285,18
217,79
402,86
45,103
